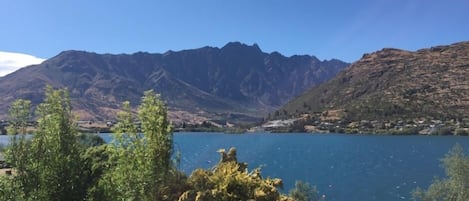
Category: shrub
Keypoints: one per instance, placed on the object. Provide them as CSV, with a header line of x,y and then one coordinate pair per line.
x,y
455,186
304,192
230,181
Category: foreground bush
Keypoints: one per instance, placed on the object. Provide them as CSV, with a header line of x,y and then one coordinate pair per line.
x,y
231,181
453,188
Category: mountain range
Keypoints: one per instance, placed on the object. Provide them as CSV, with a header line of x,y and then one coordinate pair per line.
x,y
237,82
393,84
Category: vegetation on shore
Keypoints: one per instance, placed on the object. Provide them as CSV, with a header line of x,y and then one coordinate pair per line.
x,y
455,187
58,163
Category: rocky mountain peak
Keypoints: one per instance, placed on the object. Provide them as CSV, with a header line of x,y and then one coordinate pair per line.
x,y
235,81
238,46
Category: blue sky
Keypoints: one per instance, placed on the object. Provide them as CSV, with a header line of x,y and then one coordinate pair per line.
x,y
327,29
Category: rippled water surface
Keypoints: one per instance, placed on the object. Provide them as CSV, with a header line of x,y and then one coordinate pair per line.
x,y
344,167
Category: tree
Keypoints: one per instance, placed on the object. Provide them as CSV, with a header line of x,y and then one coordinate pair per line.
x,y
144,176
47,167
453,188
158,135
10,190
17,153
95,164
19,115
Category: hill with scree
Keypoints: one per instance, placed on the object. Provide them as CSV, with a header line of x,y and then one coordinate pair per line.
x,y
392,84
237,82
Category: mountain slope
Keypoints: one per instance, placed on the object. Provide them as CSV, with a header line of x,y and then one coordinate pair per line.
x,y
236,81
395,84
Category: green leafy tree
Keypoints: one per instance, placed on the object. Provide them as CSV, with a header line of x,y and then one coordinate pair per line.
x,y
158,141
142,161
47,167
453,188
121,153
19,116
17,153
10,189
95,164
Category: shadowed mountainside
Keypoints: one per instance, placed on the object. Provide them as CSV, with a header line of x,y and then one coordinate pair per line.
x,y
237,82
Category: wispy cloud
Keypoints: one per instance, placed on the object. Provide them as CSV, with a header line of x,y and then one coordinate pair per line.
x,y
10,62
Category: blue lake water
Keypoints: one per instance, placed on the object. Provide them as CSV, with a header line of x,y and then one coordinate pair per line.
x,y
343,167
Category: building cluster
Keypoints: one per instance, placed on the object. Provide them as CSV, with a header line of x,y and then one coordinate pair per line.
x,y
403,127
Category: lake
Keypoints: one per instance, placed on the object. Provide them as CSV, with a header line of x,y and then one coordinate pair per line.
x,y
343,167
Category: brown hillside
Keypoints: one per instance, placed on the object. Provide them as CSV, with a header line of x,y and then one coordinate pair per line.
x,y
395,84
